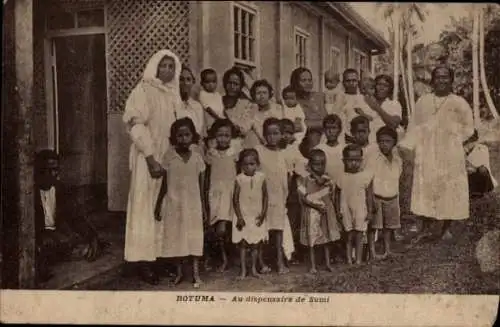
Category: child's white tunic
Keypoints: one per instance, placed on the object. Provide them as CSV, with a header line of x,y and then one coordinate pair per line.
x,y
438,129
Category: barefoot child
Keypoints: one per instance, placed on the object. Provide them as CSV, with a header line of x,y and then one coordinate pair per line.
x,y
354,200
319,224
386,165
250,201
273,165
294,112
183,211
220,174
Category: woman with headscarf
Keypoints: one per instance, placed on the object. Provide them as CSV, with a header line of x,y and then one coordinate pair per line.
x,y
313,103
442,122
149,113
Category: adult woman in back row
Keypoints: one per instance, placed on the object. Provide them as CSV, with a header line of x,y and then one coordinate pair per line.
x,y
313,103
442,122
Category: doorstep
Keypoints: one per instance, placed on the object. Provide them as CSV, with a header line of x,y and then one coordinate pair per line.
x,y
76,274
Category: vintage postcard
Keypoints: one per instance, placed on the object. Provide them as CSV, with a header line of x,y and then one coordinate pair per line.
x,y
250,163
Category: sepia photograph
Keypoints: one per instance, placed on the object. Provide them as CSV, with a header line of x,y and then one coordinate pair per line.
x,y
242,154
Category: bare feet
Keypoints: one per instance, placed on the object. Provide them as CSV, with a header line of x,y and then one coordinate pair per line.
x,y
313,271
329,268
178,279
265,270
420,237
222,267
197,282
446,236
254,273
283,270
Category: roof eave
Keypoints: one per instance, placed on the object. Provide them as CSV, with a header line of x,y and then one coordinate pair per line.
x,y
361,24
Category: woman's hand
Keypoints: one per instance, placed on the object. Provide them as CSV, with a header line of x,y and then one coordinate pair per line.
x,y
371,101
259,220
155,169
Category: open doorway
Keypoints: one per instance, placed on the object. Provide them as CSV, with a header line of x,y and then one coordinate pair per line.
x,y
80,116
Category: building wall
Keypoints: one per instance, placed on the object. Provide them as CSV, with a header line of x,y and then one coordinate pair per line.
x,y
269,43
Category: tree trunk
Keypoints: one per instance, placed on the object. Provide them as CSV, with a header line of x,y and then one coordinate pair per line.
x,y
396,51
405,86
475,67
409,60
484,83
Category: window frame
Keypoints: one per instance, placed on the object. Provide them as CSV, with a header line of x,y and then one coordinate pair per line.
x,y
362,56
252,9
299,32
338,59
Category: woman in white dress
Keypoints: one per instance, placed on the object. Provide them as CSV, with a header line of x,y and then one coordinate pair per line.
x,y
149,113
442,122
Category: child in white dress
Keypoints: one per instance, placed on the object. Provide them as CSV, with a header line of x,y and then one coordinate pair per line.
x,y
180,205
250,201
294,112
354,200
221,172
273,165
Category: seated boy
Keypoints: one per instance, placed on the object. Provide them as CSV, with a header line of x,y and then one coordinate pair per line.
x,y
60,233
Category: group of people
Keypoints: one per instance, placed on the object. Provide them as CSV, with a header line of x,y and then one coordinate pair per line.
x,y
301,169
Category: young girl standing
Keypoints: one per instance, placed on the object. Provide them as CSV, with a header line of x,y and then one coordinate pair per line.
x,y
273,164
250,200
182,212
319,224
221,172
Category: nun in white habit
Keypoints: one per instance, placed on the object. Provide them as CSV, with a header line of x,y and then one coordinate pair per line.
x,y
149,113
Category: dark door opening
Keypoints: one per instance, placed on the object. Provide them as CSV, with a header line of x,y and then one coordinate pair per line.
x,y
82,117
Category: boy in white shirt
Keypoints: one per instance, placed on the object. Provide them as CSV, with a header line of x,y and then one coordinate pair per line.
x,y
360,131
386,165
294,112
210,99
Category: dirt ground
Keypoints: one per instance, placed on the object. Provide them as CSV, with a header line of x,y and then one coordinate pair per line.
x,y
433,267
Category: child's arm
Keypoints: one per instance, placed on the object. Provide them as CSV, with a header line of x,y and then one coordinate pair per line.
x,y
240,223
370,206
336,202
201,182
161,196
360,112
206,188
265,204
212,113
303,199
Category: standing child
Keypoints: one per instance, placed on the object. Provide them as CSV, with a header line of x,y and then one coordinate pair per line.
x,y
360,131
221,172
386,165
319,224
250,200
354,200
184,210
210,99
294,112
273,164
332,128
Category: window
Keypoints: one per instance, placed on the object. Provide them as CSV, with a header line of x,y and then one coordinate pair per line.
x,y
58,19
245,31
360,61
301,38
335,59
